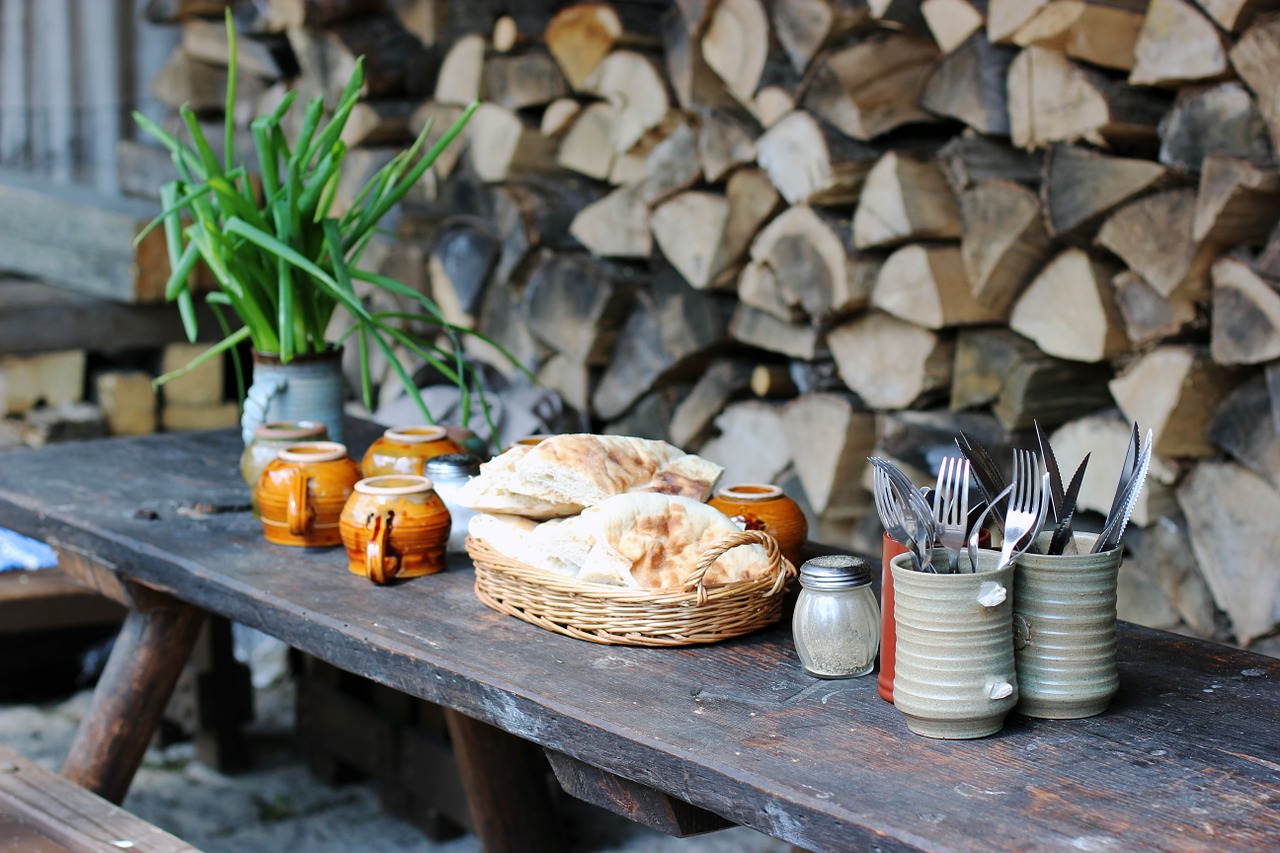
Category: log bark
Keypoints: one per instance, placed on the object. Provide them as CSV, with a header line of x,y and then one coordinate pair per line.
x,y
873,86
753,201
830,441
724,143
747,444
802,267
761,329
806,27
1052,99
1153,236
1004,240
1174,391
672,165
691,422
1222,119
1246,315
442,117
695,85
460,264
1237,202
616,226
1100,32
889,363
528,78
926,285
773,380
424,18
1080,186
971,158
1069,309
811,163
1178,44
534,212
1244,427
1023,386
396,63
381,122
558,117
575,306
1006,17
206,41
1148,316
1255,58
970,84
904,199
317,14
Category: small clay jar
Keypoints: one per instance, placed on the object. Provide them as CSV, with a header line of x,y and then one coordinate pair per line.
x,y
302,492
765,507
405,450
395,526
268,440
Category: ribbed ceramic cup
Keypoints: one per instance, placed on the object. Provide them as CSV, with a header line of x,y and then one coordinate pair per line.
x,y
1064,631
954,673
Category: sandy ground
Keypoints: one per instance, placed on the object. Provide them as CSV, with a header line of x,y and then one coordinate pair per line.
x,y
277,806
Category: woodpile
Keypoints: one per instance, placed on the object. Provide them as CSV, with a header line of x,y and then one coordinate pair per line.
x,y
790,233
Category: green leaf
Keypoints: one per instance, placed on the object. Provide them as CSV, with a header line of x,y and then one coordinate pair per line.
x,y
217,349
228,122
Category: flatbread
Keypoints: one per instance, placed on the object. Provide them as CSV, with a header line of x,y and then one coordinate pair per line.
x,y
564,474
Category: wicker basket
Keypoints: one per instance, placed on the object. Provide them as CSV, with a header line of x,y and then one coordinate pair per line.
x,y
637,617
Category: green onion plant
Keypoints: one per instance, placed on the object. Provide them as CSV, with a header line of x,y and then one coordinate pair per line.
x,y
283,260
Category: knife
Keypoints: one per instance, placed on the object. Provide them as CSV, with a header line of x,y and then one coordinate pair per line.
x,y
1113,532
1062,533
1126,475
1055,478
987,473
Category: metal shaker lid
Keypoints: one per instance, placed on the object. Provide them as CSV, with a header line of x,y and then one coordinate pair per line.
x,y
453,465
835,572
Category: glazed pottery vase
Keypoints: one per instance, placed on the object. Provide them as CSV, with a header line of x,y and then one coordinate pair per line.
x,y
954,670
395,526
1064,631
765,507
405,450
268,440
308,388
301,493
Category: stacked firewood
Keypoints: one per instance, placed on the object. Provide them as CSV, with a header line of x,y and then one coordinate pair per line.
x,y
790,233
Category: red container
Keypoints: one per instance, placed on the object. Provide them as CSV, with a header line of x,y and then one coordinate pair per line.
x,y
889,549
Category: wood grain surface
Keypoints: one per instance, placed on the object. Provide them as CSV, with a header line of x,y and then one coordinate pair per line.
x,y
1185,759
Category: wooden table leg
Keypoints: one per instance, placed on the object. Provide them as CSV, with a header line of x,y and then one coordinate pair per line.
x,y
130,698
505,778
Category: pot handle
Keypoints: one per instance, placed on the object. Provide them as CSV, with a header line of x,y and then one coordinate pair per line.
x,y
378,566
997,690
300,513
256,401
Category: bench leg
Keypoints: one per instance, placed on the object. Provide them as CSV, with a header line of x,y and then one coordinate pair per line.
x,y
505,778
130,698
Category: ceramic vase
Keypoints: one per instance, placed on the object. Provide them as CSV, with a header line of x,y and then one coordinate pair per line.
x,y
405,450
310,387
302,492
268,440
954,671
1064,631
395,526
765,507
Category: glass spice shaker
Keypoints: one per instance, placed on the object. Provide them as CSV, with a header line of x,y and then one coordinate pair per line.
x,y
836,624
449,473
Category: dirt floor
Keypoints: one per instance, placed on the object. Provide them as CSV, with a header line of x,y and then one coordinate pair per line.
x,y
277,806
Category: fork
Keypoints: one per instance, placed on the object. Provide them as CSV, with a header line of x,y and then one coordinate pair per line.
x,y
916,513
1027,504
951,506
892,515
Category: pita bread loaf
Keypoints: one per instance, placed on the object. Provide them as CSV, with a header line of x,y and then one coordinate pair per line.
x,y
566,473
640,540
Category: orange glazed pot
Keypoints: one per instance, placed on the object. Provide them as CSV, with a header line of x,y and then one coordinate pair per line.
x,y
395,526
302,492
405,450
765,507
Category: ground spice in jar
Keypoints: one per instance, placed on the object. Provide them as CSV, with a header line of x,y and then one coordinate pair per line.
x,y
836,624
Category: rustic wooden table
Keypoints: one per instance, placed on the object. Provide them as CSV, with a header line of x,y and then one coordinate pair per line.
x,y
1187,758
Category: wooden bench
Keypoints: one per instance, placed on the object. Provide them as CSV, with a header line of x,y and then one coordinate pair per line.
x,y
44,813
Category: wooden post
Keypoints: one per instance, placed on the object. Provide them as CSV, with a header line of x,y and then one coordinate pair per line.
x,y
505,780
131,696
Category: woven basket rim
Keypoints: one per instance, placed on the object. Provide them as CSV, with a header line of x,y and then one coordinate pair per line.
x,y
628,616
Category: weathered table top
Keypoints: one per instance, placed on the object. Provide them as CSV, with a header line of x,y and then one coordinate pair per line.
x,y
1187,758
